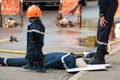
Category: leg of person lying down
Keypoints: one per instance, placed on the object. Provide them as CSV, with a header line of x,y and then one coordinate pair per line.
x,y
51,60
17,62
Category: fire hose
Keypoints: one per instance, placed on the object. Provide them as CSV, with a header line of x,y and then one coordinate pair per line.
x,y
23,52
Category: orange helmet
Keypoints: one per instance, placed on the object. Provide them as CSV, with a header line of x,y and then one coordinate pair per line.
x,y
34,11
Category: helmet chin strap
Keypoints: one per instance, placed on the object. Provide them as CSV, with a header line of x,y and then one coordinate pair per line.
x,y
32,19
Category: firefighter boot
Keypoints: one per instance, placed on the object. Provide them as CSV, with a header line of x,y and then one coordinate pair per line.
x,y
99,56
29,66
96,46
40,67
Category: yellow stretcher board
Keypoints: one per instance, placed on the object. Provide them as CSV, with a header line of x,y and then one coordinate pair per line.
x,y
67,5
117,14
10,7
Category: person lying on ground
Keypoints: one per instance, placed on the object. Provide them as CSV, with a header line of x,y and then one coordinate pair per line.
x,y
55,60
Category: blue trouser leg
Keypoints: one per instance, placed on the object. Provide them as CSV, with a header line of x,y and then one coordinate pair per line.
x,y
104,32
18,62
49,59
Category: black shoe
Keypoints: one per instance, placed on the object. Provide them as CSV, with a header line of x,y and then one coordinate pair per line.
x,y
96,61
92,58
99,56
27,66
13,39
41,70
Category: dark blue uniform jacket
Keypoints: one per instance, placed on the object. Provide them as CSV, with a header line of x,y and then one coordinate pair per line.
x,y
35,33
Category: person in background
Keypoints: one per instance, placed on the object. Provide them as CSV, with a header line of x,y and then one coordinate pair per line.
x,y
35,39
107,10
80,2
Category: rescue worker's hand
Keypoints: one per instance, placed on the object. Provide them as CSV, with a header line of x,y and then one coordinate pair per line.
x,y
72,11
102,21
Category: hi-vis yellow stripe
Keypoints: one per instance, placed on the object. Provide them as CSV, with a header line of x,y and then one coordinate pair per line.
x,y
33,30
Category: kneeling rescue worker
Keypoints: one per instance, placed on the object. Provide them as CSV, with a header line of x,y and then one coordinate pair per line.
x,y
35,39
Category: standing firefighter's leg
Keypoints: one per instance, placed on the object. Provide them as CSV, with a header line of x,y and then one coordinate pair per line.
x,y
40,66
99,56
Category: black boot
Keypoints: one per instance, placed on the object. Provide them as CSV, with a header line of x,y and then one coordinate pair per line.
x,y
99,56
104,46
1,61
40,67
29,66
